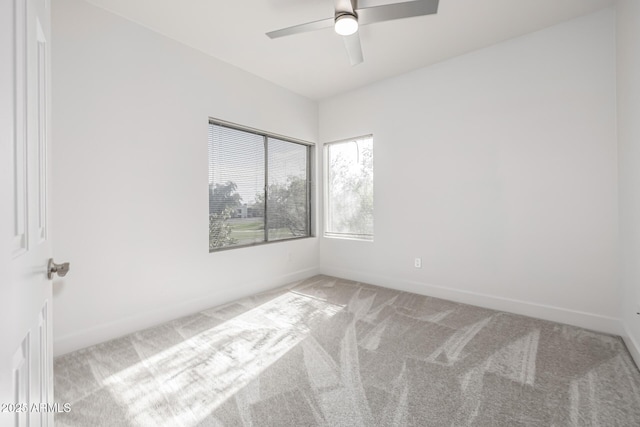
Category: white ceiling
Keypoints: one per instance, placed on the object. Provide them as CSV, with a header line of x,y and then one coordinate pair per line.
x,y
315,64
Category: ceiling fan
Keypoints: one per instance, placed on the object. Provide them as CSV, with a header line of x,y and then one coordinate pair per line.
x,y
348,17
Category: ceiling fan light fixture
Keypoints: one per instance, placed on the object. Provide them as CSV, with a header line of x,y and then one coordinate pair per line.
x,y
346,24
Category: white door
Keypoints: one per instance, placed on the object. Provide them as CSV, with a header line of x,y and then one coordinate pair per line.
x,y
26,377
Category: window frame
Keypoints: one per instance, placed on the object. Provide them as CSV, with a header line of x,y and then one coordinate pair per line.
x,y
325,184
309,179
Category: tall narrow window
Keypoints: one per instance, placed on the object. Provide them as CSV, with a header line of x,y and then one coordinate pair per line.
x,y
259,187
349,189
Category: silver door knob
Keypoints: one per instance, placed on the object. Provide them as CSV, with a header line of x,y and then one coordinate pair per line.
x,y
59,269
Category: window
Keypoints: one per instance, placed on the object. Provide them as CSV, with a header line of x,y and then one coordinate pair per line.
x,y
349,189
259,187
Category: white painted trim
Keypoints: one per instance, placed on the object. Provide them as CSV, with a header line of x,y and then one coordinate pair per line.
x,y
631,344
130,324
595,322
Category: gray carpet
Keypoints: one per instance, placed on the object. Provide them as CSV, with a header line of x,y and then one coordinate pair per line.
x,y
332,352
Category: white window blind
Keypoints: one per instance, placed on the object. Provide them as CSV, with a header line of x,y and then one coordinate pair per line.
x,y
349,189
242,209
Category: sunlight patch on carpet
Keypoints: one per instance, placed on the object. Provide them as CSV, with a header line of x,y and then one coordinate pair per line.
x,y
200,373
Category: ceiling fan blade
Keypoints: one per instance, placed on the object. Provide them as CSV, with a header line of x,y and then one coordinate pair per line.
x,y
347,6
354,49
302,28
392,11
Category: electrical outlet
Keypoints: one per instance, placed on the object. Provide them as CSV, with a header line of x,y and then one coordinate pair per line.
x,y
417,263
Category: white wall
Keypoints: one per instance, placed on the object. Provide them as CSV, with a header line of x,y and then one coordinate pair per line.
x,y
628,49
130,196
498,168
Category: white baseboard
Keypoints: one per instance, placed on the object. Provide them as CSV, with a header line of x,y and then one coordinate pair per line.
x,y
632,345
595,322
127,325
